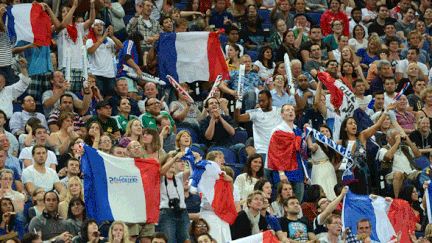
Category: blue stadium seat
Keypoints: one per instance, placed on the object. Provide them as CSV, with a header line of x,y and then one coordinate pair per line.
x,y
223,38
240,137
264,14
197,150
104,228
266,26
422,162
316,17
127,18
237,171
180,6
194,136
253,55
242,155
16,107
230,156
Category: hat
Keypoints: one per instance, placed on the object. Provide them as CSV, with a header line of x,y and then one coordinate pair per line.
x,y
300,14
97,21
103,104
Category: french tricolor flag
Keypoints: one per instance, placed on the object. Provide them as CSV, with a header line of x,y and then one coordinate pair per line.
x,y
398,95
263,237
123,189
28,22
191,56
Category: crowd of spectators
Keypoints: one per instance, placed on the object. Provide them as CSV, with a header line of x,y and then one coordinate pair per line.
x,y
374,47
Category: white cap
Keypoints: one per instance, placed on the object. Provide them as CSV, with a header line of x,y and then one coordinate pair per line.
x,y
97,21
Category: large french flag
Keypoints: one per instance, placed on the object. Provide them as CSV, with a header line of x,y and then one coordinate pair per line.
x,y
123,189
264,237
28,22
191,56
356,207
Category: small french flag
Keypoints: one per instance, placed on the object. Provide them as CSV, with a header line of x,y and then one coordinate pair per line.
x,y
397,97
264,237
28,22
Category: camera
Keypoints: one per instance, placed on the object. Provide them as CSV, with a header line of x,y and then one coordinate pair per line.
x,y
174,204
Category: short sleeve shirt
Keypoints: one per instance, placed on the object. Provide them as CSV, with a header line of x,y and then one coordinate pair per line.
x,y
148,120
46,181
251,81
110,126
296,230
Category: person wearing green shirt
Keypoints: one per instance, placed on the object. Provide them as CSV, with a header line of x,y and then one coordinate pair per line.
x,y
153,109
109,124
124,116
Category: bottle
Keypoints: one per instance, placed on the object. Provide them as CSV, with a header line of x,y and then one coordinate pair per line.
x,y
57,152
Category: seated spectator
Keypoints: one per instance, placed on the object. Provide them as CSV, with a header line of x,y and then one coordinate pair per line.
x,y
89,232
348,55
205,237
317,6
315,35
153,109
389,88
381,134
364,238
24,139
95,131
180,25
133,133
38,202
101,45
151,144
302,231
105,143
51,98
117,151
384,71
124,115
315,63
410,194
402,167
233,57
279,96
368,55
192,201
66,133
414,98
405,119
372,72
333,225
332,14
168,139
40,135
364,226
166,24
264,65
422,137
6,191
109,124
76,215
301,28
422,70
93,91
325,209
333,38
13,150
222,101
150,91
250,221
9,222
254,171
118,233
342,41
17,184
306,94
405,26
351,73
45,225
9,93
421,27
284,191
277,37
272,222
252,33
390,31
121,91
19,119
369,12
252,81
281,11
393,47
220,17
289,45
308,207
134,150
198,227
185,114
192,13
359,91
74,189
66,105
415,39
37,175
72,168
233,37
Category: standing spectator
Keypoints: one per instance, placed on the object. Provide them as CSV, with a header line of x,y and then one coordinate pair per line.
x,y
116,14
219,16
332,14
19,119
11,92
101,48
281,11
121,92
143,24
109,124
71,36
6,46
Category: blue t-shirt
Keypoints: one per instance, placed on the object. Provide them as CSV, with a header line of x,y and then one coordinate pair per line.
x,y
129,48
366,59
272,222
217,19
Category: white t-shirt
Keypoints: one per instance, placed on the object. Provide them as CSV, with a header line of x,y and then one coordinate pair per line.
x,y
365,101
263,124
353,24
402,66
368,13
46,181
356,45
172,191
48,94
64,42
263,71
26,153
101,62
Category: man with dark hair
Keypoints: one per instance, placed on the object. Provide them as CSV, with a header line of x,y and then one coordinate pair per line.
x,y
219,16
405,26
204,238
369,11
315,35
166,24
49,225
40,136
19,119
342,41
66,105
122,91
390,31
378,24
314,64
414,98
31,238
153,110
384,71
159,237
359,91
412,57
356,19
109,124
117,151
332,68
364,226
72,169
233,37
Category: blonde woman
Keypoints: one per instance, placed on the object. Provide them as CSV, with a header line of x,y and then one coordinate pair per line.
x,y
133,133
184,140
426,99
74,189
118,233
348,55
284,191
367,56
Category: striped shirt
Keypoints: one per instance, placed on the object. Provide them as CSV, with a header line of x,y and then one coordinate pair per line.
x,y
78,122
5,50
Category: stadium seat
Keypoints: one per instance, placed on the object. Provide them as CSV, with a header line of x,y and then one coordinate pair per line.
x,y
316,17
422,162
180,6
242,155
127,18
197,150
240,137
223,38
230,156
266,26
264,14
104,228
253,55
17,107
192,133
237,171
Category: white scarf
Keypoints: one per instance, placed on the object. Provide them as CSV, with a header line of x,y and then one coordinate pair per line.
x,y
254,220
